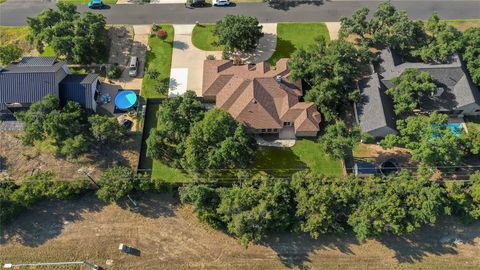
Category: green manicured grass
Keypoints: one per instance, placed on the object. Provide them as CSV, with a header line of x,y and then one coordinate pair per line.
x,y
463,25
15,35
48,51
202,37
304,154
293,36
84,2
158,58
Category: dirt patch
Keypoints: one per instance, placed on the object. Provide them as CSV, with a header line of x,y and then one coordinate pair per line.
x,y
168,236
21,161
121,43
375,153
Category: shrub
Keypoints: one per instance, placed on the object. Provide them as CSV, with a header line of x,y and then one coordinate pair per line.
x,y
42,185
115,183
156,27
161,34
210,57
162,87
153,74
114,72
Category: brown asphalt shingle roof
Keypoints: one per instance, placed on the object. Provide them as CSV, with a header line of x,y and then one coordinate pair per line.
x,y
253,95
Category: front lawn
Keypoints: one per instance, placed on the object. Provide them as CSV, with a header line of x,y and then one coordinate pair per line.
x,y
84,2
202,37
48,51
159,58
293,36
306,154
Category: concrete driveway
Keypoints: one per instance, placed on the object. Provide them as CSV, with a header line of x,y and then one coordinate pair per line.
x,y
187,58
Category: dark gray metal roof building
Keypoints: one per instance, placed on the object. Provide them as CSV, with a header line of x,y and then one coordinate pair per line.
x,y
32,78
80,88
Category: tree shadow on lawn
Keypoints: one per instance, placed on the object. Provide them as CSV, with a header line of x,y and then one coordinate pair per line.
x,y
278,161
47,220
284,49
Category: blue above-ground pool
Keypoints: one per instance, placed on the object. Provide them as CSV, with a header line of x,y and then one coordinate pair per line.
x,y
125,100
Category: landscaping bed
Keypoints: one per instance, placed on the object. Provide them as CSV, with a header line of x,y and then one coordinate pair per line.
x,y
159,58
293,36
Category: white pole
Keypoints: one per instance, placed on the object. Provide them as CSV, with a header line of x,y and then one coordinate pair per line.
x,y
93,266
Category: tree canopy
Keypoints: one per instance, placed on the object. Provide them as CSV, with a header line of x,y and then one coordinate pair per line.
x,y
471,52
388,27
80,38
409,88
430,140
218,142
323,204
115,183
176,117
106,129
398,204
331,70
238,33
9,53
442,41
338,140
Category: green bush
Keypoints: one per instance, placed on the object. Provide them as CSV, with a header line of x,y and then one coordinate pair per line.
x,y
114,72
42,185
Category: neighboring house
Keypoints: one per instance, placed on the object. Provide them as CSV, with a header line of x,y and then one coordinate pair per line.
x,y
260,97
31,79
456,94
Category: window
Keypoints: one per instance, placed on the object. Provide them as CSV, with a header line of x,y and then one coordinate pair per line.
x,y
269,130
287,124
264,130
275,130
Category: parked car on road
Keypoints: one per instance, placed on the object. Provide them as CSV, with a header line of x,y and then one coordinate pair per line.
x,y
221,2
197,3
95,4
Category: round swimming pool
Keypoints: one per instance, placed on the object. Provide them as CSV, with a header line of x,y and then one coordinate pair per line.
x,y
125,100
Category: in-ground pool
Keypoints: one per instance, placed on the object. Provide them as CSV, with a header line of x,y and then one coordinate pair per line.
x,y
455,128
125,100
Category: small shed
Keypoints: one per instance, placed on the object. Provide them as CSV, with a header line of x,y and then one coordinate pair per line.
x,y
364,168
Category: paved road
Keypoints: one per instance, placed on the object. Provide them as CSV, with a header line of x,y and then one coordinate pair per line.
x,y
14,12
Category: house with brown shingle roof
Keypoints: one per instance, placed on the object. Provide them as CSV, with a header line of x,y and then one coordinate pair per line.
x,y
262,98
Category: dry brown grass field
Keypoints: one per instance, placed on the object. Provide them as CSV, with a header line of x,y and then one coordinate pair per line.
x,y
168,236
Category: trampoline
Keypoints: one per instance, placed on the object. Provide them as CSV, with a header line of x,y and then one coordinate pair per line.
x,y
125,100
